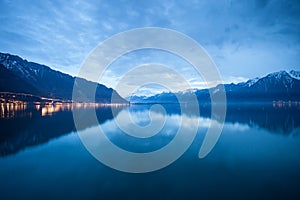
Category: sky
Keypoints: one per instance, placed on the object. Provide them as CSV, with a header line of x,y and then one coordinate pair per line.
x,y
245,39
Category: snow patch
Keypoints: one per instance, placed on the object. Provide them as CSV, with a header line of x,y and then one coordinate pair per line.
x,y
252,81
295,74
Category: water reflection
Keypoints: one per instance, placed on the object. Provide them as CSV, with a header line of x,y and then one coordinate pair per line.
x,y
21,109
282,119
282,104
27,125
11,110
248,162
24,125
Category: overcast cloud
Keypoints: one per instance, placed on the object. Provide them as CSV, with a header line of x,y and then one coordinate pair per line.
x,y
245,39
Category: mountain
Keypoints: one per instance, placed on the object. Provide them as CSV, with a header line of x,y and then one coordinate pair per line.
x,y
276,86
20,76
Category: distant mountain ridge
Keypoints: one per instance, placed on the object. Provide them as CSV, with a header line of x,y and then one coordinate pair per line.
x,y
276,86
20,76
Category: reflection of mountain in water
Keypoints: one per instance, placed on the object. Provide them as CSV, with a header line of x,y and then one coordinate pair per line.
x,y
24,127
31,126
282,119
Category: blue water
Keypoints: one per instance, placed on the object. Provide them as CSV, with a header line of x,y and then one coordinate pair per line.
x,y
256,156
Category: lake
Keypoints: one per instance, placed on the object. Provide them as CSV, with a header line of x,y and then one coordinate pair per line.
x,y
256,156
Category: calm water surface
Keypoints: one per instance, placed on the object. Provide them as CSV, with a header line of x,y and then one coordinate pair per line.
x,y
257,155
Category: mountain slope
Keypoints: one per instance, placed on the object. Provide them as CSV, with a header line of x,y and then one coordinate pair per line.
x,y
276,86
18,75
15,83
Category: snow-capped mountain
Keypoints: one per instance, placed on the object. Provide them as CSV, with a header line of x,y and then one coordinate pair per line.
x,y
251,82
280,85
20,76
295,74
